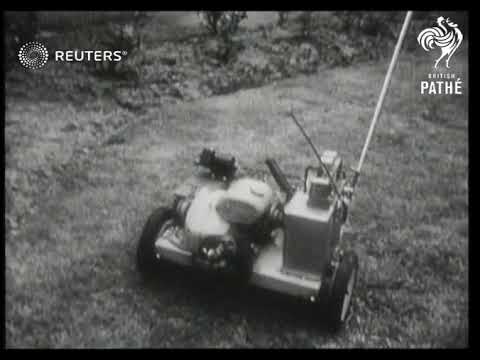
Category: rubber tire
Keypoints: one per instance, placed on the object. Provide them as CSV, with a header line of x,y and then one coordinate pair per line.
x,y
337,288
147,262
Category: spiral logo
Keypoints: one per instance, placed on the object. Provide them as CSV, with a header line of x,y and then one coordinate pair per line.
x,y
33,55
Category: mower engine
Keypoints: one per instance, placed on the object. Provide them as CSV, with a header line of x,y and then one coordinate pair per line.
x,y
226,220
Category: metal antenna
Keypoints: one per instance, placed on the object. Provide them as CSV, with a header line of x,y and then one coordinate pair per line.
x,y
316,153
383,93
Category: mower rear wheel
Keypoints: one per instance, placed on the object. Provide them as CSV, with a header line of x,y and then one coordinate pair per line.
x,y
147,262
337,304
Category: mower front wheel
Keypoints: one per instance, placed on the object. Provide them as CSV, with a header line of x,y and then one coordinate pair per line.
x,y
147,262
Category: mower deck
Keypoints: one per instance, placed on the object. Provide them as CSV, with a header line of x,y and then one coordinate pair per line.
x,y
267,270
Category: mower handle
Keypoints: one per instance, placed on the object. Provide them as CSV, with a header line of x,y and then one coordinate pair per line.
x,y
279,177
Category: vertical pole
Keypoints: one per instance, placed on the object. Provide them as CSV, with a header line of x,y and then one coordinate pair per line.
x,y
381,98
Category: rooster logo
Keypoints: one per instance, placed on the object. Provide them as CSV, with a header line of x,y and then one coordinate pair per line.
x,y
446,36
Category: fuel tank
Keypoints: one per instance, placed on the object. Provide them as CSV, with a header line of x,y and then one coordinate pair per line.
x,y
308,236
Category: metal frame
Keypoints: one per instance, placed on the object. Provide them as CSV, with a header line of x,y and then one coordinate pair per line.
x,y
268,271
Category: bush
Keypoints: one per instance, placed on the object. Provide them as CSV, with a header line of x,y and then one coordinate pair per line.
x,y
306,23
365,35
282,18
222,23
210,20
126,37
370,23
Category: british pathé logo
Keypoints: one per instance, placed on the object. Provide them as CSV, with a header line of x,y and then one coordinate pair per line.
x,y
446,36
441,84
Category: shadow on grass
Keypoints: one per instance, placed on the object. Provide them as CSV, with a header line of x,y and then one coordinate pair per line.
x,y
221,298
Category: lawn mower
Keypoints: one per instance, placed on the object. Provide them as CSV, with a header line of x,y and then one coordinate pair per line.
x,y
287,240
